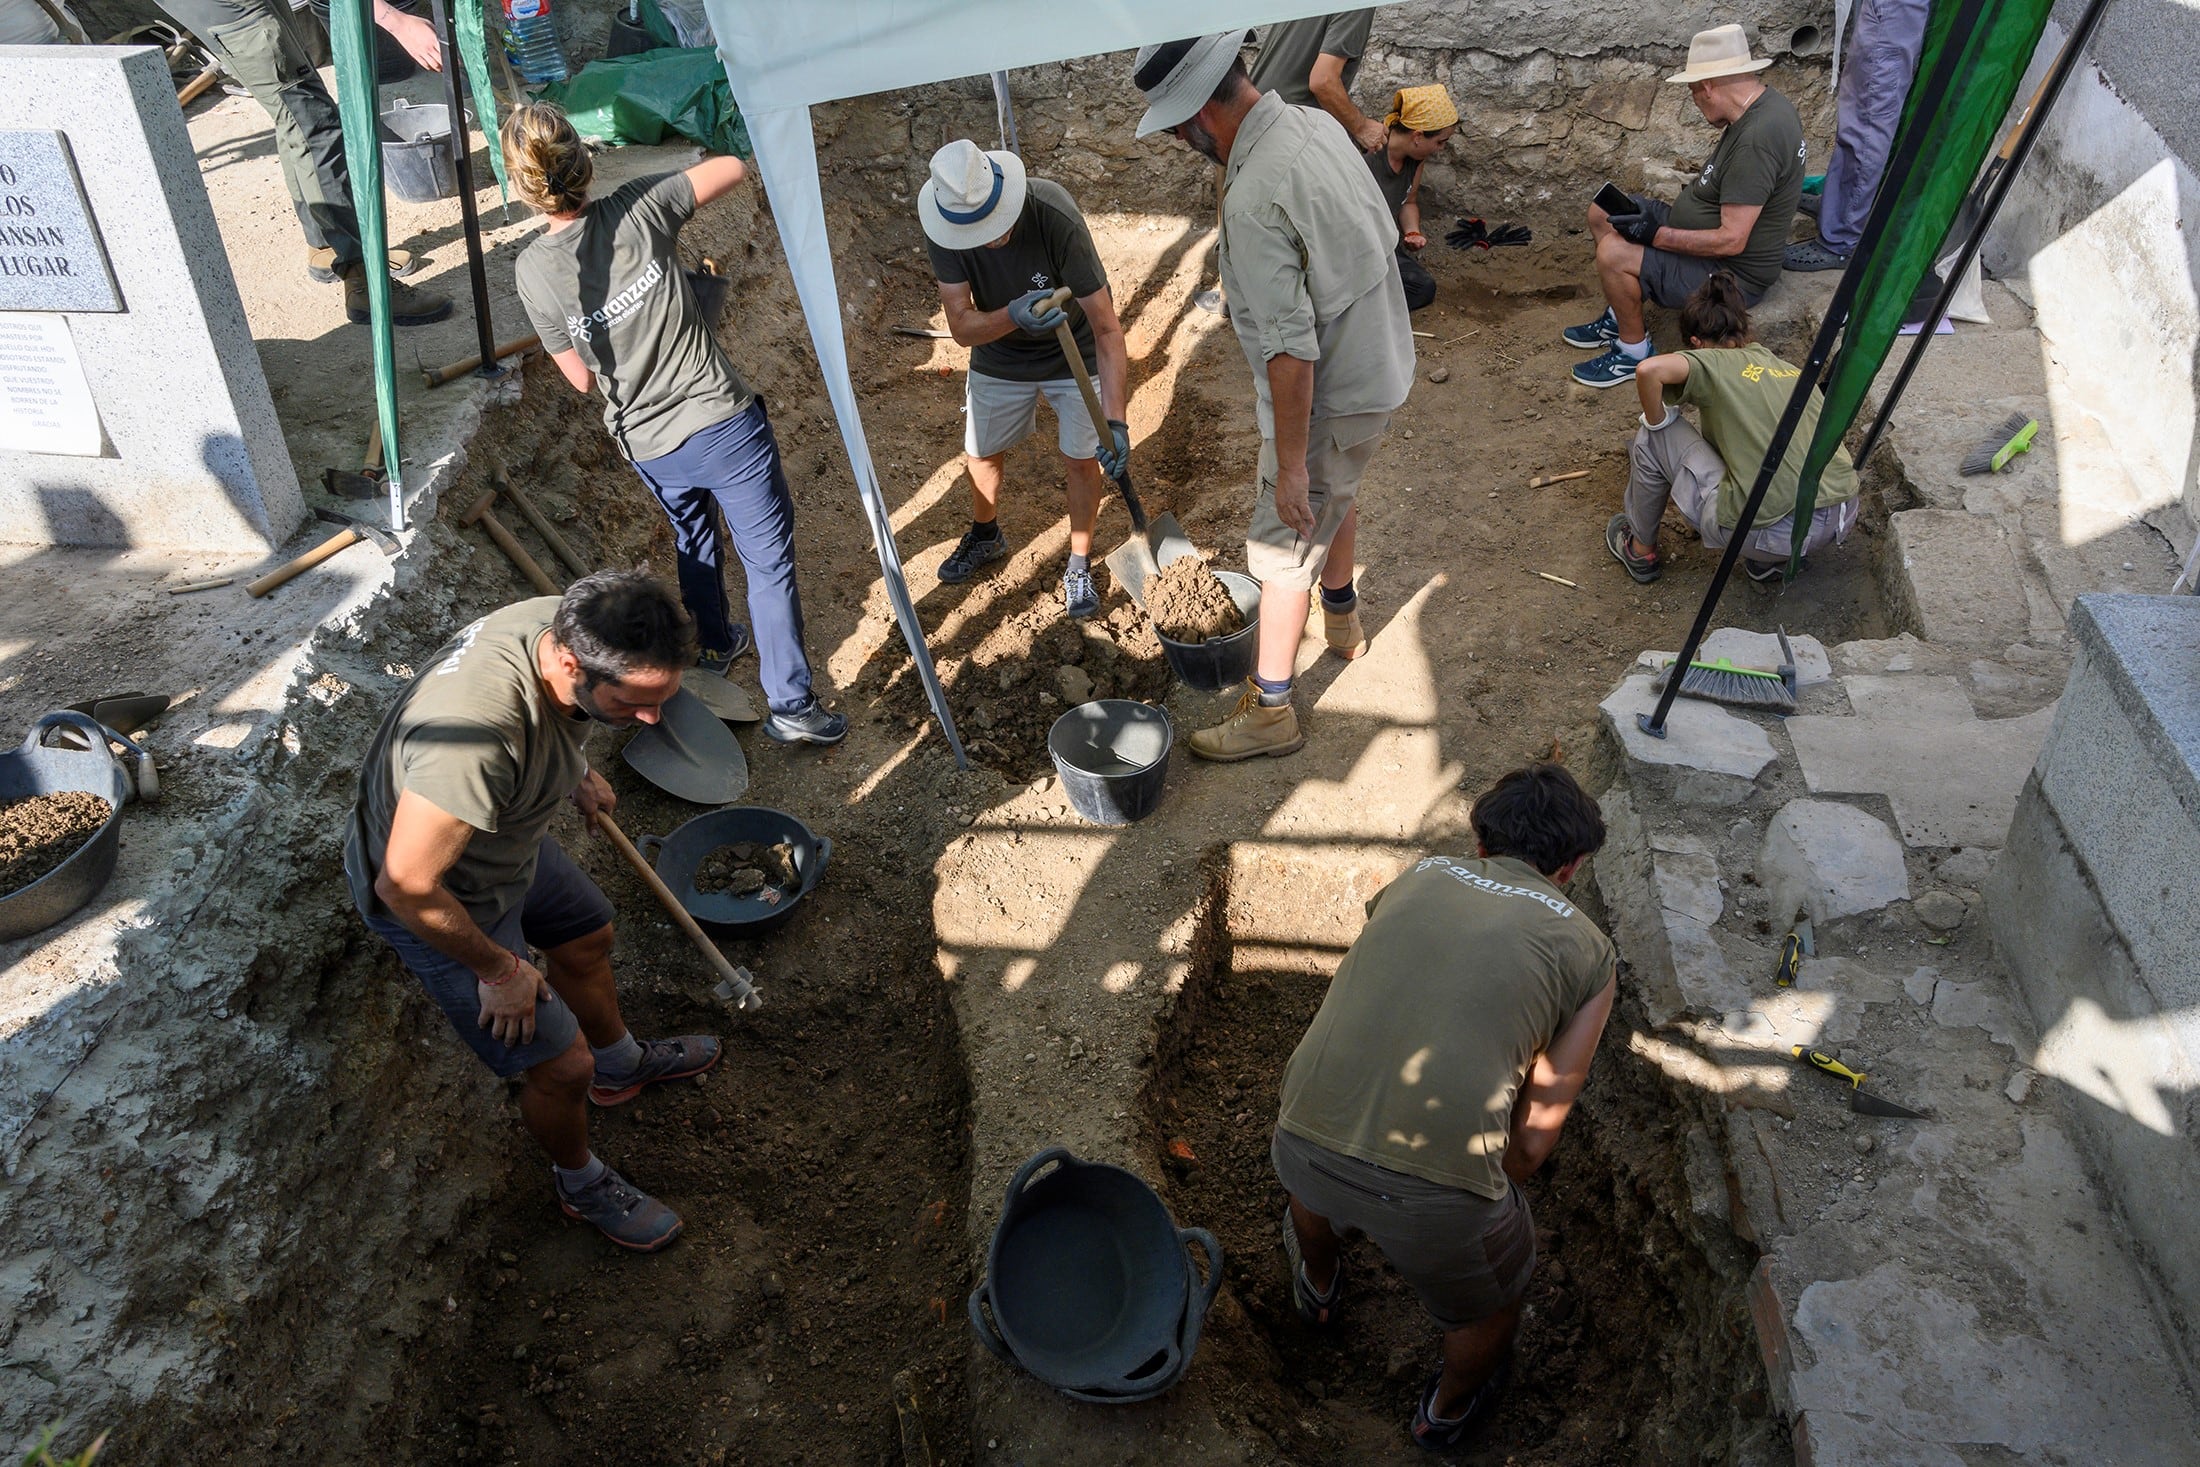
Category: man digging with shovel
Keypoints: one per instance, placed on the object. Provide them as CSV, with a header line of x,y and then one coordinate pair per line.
x,y
451,863
1001,243
1308,264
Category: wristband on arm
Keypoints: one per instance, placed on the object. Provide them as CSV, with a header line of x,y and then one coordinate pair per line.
x,y
509,974
1671,412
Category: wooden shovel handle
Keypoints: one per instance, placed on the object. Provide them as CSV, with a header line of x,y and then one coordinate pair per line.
x,y
341,540
1068,338
744,992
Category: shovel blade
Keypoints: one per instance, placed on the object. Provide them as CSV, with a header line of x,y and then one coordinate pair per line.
x,y
1141,557
689,754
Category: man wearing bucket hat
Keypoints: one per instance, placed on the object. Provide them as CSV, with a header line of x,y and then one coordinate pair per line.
x,y
1734,215
1308,256
1001,243
1437,1075
1421,120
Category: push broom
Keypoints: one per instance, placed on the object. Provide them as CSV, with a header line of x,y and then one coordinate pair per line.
x,y
1721,681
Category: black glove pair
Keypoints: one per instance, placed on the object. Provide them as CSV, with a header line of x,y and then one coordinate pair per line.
x,y
1470,232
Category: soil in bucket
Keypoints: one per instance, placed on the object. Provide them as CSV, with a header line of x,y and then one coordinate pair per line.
x,y
745,867
1189,604
38,834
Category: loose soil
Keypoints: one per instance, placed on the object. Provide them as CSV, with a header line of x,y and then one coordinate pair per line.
x,y
1189,603
746,867
38,834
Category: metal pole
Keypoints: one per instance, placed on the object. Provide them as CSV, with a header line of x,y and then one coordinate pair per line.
x,y
1004,112
462,151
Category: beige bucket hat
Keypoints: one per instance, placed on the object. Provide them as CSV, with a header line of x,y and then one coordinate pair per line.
x,y
973,197
1721,51
1178,77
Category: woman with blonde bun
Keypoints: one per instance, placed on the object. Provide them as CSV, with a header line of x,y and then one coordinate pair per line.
x,y
606,293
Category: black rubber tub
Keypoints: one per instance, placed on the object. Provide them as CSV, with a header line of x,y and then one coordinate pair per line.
x,y
36,769
678,856
1220,662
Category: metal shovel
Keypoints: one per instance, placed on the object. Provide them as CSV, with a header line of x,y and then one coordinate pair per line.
x,y
689,754
1149,548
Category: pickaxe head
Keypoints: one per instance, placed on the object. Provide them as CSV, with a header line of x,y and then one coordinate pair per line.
x,y
383,540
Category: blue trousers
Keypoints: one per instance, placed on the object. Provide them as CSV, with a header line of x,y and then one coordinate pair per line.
x,y
1875,82
736,464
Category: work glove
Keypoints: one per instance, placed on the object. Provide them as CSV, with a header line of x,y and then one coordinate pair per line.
x,y
1637,228
1033,315
1468,233
1511,234
1115,456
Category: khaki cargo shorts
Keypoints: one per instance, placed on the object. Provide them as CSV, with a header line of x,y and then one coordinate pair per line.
x,y
1002,414
1337,453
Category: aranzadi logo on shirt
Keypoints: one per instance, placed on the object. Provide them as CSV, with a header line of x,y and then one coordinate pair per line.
x,y
581,328
1480,882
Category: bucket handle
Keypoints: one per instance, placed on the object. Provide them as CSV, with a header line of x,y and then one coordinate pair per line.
x,y
822,854
1202,1295
98,735
1024,1177
981,1323
649,845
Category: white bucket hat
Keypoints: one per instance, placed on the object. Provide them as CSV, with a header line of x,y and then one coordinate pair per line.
x,y
973,196
1720,51
1179,76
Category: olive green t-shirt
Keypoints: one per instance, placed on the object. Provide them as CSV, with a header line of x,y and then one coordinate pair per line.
x,y
476,736
1739,393
1050,247
1465,972
1289,50
1759,160
1396,184
611,288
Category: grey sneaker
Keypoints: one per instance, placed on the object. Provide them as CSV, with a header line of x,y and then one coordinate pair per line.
x,y
971,552
1079,599
1618,538
662,1059
815,724
621,1211
722,662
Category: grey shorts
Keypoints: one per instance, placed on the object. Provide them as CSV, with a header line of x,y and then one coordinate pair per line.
x,y
1337,454
561,904
1002,414
1464,1255
1668,279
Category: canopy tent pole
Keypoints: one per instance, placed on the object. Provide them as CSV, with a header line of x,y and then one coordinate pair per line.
x,y
358,104
786,156
1004,113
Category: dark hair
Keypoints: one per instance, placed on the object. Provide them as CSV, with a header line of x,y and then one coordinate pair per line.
x,y
1716,312
1540,815
1233,81
617,623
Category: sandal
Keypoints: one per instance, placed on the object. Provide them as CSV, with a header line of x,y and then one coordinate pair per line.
x,y
1313,1308
1433,1433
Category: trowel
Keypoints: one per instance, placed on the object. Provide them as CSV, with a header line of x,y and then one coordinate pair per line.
x,y
1150,547
1862,1101
689,754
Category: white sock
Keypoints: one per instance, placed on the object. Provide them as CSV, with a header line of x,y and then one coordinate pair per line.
x,y
588,1171
620,1057
1636,351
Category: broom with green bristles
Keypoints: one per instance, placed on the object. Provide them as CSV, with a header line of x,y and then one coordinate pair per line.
x,y
1722,681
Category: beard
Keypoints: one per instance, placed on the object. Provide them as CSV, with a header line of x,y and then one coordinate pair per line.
x,y
1201,141
584,696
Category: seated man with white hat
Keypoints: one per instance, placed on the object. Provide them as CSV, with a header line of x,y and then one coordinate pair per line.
x,y
1001,243
1734,215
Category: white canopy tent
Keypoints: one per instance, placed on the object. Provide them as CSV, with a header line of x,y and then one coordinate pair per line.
x,y
783,57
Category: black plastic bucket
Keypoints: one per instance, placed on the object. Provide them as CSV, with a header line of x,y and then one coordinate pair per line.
x,y
416,152
1088,1283
38,768
1220,662
1112,755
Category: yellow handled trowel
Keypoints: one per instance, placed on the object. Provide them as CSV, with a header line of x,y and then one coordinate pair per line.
x,y
1862,1101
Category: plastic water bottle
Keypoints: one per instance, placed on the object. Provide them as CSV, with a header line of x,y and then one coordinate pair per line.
x,y
531,43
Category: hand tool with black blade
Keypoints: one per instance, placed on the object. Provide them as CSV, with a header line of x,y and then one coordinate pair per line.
x,y
1862,1101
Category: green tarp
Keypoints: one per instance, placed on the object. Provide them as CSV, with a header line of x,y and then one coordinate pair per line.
x,y
473,50
642,99
1954,130
358,101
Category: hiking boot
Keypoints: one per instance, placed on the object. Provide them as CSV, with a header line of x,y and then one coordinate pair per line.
x,y
408,307
1594,335
1610,370
662,1059
971,552
1619,539
1433,1433
1341,630
1079,599
722,662
621,1211
1312,1306
815,724
1813,254
321,265
1250,731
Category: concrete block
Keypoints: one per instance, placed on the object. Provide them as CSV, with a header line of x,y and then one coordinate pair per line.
x,y
1831,860
1708,756
1953,578
1837,1439
194,456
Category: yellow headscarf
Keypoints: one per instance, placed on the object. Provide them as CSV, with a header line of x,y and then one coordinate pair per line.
x,y
1424,109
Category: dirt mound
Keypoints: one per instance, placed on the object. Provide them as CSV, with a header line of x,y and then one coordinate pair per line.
x,y
1189,603
38,834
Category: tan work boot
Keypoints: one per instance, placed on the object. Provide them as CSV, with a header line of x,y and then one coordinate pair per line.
x,y
1250,731
1343,633
408,306
321,265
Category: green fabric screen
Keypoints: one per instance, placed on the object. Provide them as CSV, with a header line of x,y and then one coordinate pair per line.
x,y
359,100
1957,130
473,51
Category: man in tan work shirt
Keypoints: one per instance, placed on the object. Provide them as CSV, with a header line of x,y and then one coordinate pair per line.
x,y
1308,265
